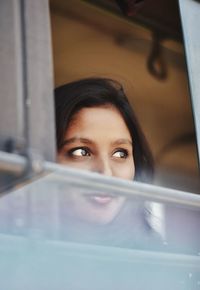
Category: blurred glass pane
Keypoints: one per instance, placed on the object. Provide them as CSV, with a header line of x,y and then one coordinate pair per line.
x,y
58,235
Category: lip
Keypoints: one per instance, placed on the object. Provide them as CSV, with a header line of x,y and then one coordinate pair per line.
x,y
100,199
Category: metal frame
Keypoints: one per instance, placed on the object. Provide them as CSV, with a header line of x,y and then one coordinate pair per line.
x,y
190,16
90,180
26,79
38,77
11,80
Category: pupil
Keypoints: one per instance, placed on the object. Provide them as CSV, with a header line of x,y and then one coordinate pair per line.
x,y
84,153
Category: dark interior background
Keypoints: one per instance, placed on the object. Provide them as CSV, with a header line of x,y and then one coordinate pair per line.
x,y
144,51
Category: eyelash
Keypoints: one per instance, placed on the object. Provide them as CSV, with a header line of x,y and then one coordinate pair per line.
x,y
71,151
121,150
88,152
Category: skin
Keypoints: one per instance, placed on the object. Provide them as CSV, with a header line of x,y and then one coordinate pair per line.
x,y
97,139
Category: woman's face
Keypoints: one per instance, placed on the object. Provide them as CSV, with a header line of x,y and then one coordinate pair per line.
x,y
97,139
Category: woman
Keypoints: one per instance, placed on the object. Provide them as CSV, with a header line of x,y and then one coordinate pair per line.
x,y
97,130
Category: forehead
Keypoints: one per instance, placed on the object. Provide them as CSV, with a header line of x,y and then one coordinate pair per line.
x,y
102,119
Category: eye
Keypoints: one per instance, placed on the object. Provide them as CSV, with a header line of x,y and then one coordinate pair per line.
x,y
79,152
120,153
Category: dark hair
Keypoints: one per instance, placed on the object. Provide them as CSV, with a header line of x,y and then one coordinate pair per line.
x,y
94,92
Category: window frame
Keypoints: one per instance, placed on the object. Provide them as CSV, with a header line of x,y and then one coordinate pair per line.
x,y
27,123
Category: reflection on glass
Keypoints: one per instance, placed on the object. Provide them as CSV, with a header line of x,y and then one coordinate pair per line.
x,y
52,209
44,232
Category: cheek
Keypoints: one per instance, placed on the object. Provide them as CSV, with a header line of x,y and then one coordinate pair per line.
x,y
62,159
125,171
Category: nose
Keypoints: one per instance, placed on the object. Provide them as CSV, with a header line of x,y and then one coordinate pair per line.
x,y
102,165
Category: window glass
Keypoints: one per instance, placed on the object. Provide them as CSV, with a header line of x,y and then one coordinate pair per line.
x,y
63,230
73,229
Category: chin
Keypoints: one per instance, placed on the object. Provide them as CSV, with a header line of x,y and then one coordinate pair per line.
x,y
100,210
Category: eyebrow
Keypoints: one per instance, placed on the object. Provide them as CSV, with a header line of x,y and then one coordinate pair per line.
x,y
88,141
77,139
122,141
